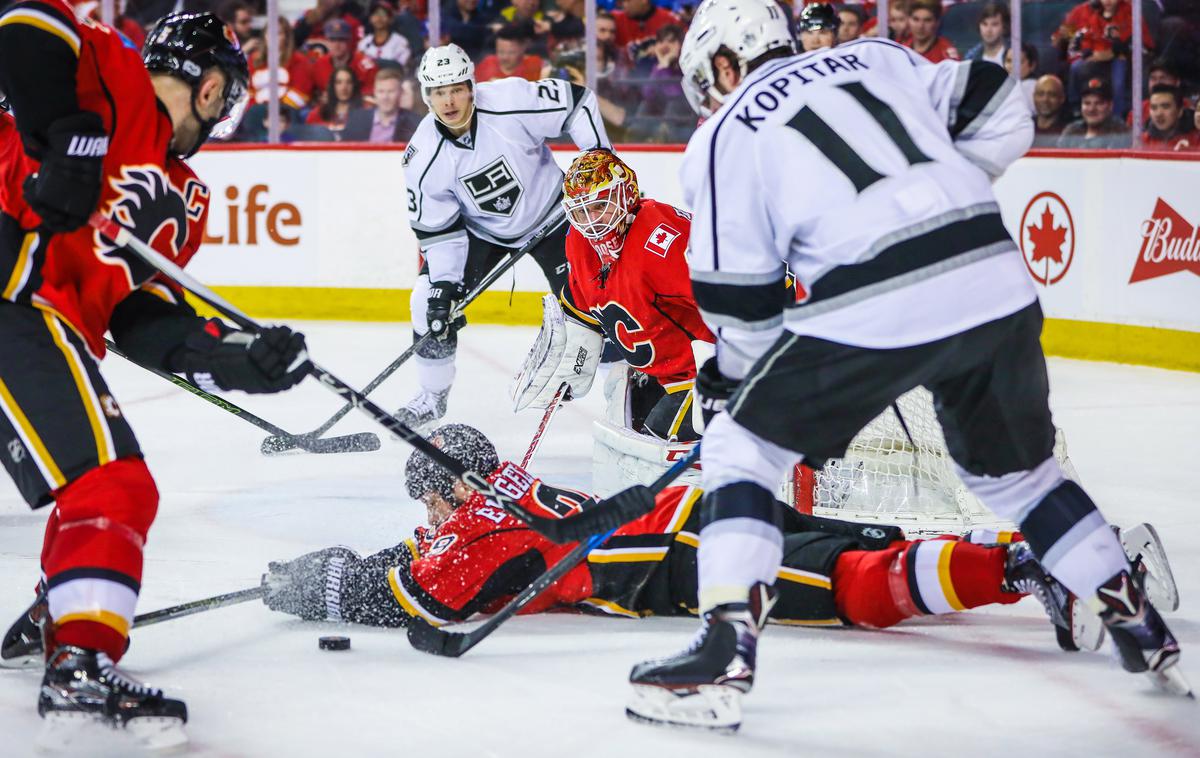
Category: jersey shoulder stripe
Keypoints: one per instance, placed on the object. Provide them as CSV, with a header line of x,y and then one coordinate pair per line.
x,y
47,17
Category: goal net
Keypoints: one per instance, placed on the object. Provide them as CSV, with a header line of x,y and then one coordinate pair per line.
x,y
888,477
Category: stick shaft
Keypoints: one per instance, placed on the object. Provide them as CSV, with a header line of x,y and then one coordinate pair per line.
x,y
564,392
459,309
199,606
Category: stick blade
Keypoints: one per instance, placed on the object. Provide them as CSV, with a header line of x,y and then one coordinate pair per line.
x,y
279,443
363,442
429,639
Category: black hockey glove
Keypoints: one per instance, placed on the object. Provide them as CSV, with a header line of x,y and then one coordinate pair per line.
x,y
309,586
66,189
219,358
443,296
713,389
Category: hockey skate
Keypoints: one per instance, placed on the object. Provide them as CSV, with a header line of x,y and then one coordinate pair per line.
x,y
424,410
1075,627
22,645
83,689
702,686
1141,638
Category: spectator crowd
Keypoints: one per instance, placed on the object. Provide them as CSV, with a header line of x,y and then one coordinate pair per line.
x,y
345,68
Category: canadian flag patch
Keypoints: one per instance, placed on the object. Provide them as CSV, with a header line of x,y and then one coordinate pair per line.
x,y
659,241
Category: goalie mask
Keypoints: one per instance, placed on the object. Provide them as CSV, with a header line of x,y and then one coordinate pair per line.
x,y
600,197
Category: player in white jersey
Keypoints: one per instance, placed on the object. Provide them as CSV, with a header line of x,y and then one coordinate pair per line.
x,y
866,170
481,182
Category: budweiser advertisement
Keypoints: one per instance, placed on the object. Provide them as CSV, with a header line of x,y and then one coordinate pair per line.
x,y
1169,245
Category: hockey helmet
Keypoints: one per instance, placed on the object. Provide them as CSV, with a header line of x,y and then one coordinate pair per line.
x,y
816,16
186,45
462,442
441,66
745,29
600,197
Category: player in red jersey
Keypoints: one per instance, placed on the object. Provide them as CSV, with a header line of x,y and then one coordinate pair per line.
x,y
628,281
475,556
97,128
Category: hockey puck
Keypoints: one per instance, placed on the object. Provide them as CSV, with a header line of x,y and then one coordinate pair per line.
x,y
334,643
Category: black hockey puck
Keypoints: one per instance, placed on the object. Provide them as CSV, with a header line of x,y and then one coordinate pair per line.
x,y
334,643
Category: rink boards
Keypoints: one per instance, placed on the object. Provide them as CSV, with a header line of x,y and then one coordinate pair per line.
x,y
318,232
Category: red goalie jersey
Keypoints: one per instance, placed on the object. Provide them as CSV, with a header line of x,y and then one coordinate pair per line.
x,y
643,302
80,275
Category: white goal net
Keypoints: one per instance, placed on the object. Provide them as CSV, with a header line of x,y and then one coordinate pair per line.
x,y
889,478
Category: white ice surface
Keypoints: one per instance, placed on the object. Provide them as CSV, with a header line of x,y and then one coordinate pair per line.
x,y
987,682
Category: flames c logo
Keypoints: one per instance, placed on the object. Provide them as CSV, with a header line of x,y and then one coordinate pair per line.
x,y
154,211
624,331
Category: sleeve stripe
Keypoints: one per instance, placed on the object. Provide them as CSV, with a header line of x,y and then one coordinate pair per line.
x,y
584,317
409,603
45,22
159,290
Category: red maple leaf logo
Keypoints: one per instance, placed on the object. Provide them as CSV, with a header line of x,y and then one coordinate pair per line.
x,y
1047,239
660,238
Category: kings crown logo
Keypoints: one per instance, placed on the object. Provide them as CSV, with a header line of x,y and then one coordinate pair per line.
x,y
494,188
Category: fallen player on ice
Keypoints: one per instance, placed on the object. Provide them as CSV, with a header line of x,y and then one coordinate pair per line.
x,y
474,556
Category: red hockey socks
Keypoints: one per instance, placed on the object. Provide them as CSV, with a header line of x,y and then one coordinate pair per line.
x,y
92,554
880,588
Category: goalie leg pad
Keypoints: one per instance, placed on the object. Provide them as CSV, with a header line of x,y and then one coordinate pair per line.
x,y
565,351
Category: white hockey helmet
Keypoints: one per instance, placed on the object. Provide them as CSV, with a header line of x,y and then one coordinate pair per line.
x,y
746,28
447,64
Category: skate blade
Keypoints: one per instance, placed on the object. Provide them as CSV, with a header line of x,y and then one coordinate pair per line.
x,y
1087,630
1168,677
83,733
160,734
711,707
1142,541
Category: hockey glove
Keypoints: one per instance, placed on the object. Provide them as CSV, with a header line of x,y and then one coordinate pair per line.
x,y
443,296
219,358
309,586
713,389
66,189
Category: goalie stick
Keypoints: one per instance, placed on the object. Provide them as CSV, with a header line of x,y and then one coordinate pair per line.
x,y
430,639
598,519
350,443
281,441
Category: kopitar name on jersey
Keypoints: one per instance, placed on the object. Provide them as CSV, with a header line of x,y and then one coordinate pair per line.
x,y
820,67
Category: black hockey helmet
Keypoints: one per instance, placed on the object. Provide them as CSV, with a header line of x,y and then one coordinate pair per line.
x,y
818,16
186,45
459,441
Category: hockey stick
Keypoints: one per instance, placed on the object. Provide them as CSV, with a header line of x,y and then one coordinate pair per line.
x,y
564,393
430,639
199,606
281,442
350,443
549,527
34,646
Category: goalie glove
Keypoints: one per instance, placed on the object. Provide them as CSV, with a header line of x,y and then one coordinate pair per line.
x,y
565,351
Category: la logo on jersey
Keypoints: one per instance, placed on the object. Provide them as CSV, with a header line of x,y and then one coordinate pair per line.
x,y
659,241
494,188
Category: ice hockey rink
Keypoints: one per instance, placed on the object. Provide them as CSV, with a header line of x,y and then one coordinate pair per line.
x,y
986,682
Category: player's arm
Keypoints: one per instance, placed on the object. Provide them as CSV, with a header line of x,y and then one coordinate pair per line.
x,y
985,112
557,107
155,326
433,210
39,60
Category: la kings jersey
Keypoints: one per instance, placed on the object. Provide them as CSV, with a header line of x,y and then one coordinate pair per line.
x,y
867,170
499,179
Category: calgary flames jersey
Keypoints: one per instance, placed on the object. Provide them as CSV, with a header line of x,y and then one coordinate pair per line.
x,y
80,275
481,556
643,303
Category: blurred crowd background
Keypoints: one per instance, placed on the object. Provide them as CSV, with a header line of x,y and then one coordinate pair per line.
x,y
345,68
